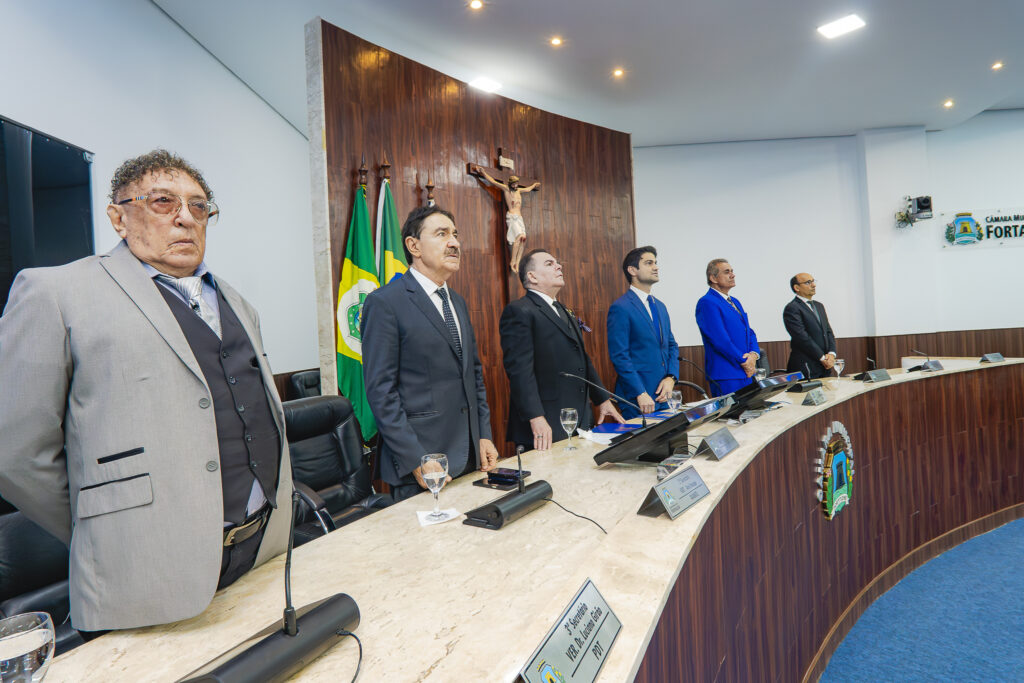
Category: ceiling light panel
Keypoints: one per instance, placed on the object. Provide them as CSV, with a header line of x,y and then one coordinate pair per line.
x,y
841,26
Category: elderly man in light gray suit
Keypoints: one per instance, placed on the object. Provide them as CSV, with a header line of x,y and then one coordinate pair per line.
x,y
140,421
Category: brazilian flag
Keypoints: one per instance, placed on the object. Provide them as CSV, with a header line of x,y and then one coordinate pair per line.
x,y
358,279
391,255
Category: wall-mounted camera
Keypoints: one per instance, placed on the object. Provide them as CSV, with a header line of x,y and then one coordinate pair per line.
x,y
915,209
920,207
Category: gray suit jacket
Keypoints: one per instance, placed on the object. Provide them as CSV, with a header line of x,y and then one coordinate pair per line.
x,y
423,398
109,439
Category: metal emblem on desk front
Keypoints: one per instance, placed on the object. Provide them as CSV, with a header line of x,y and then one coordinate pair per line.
x,y
834,467
577,645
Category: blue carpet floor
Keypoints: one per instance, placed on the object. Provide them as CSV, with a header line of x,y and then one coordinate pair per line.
x,y
959,617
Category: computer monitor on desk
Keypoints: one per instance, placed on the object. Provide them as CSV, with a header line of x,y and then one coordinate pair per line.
x,y
755,395
657,441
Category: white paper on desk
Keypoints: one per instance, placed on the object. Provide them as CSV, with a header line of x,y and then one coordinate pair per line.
x,y
603,439
451,513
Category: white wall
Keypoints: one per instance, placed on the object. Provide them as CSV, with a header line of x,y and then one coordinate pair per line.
x,y
826,205
773,208
119,78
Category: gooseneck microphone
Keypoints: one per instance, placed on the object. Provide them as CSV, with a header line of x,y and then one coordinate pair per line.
x,y
871,360
511,506
519,466
922,353
701,371
643,419
279,651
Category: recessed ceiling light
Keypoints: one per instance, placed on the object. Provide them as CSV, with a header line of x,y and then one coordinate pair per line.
x,y
485,84
556,41
476,4
948,104
618,73
997,66
841,26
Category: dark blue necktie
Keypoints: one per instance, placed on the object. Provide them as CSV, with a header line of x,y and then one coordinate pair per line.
x,y
449,320
654,316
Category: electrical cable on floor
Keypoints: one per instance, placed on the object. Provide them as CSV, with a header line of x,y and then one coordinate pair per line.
x,y
575,515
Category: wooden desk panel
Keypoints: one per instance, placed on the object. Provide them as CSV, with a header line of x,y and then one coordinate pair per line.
x,y
778,585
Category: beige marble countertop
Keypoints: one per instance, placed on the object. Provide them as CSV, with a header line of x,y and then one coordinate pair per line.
x,y
454,602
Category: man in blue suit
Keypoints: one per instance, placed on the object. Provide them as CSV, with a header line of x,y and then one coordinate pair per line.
x,y
730,346
640,341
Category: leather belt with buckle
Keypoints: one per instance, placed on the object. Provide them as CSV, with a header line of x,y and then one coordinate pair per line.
x,y
247,529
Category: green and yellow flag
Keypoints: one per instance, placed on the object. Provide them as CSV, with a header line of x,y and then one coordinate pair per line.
x,y
357,281
392,261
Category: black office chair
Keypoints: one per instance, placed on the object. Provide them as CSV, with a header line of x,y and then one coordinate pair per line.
x,y
34,574
329,464
304,384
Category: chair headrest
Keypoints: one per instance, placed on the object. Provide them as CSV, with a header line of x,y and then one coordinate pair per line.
x,y
308,417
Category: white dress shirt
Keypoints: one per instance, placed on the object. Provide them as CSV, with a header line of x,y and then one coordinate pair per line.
x,y
431,287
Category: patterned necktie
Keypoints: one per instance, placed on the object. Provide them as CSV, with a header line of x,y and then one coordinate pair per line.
x,y
654,315
731,303
814,310
192,288
449,320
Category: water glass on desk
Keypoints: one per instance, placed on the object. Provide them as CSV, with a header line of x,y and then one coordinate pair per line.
x,y
434,469
569,418
675,401
26,647
840,365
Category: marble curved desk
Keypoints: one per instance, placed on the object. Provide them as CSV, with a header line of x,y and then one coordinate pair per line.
x,y
752,583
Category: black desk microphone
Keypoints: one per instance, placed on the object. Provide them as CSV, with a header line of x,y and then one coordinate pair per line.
x,y
701,371
643,420
279,651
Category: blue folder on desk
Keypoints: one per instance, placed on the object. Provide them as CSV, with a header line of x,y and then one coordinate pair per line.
x,y
614,428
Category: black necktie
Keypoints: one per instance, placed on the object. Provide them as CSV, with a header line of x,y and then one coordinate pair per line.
x,y
814,310
449,320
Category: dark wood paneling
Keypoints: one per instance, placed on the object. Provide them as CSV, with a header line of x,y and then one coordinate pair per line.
x,y
1008,341
771,586
431,126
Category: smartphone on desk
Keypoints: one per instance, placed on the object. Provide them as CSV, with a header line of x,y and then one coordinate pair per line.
x,y
505,476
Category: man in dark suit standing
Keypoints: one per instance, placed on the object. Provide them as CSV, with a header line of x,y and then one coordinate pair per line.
x,y
640,341
812,344
730,345
423,377
540,338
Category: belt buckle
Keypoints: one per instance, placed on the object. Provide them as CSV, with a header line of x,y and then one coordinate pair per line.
x,y
229,537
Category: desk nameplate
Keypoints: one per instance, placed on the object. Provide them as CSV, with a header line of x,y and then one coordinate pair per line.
x,y
814,397
719,444
674,494
992,358
869,376
577,645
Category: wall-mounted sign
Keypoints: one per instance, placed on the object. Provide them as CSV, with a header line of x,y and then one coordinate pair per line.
x,y
835,470
988,228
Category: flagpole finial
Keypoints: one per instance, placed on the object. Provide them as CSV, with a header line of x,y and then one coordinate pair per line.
x,y
385,168
430,191
363,171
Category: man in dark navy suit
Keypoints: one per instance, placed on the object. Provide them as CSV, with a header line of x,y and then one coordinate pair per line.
x,y
423,377
730,345
812,344
640,341
540,339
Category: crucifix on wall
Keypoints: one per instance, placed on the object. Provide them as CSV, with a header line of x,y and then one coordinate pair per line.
x,y
512,188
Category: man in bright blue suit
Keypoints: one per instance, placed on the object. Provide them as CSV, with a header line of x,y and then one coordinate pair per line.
x,y
640,341
730,346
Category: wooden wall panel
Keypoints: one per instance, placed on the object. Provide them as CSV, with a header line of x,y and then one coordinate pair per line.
x,y
431,126
771,586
